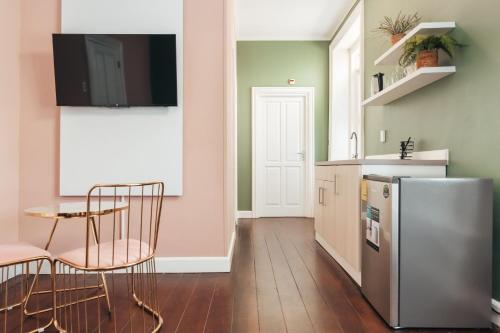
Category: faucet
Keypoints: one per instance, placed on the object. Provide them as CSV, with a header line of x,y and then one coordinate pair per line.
x,y
355,136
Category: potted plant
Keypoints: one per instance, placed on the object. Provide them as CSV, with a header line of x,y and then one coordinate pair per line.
x,y
398,27
424,50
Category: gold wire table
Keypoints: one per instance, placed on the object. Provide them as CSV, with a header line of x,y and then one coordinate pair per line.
x,y
65,211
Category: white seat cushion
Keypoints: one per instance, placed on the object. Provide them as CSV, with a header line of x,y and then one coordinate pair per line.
x,y
16,252
137,251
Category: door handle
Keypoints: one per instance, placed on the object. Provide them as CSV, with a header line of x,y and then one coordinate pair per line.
x,y
301,156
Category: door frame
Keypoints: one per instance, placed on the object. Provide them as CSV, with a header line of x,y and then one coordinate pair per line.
x,y
308,94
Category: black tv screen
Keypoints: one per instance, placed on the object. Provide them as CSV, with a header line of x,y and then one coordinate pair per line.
x,y
115,70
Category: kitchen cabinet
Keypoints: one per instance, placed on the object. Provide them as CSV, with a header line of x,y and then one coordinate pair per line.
x,y
319,207
347,214
325,208
337,221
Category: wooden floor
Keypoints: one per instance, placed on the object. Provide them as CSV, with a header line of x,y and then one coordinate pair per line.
x,y
281,281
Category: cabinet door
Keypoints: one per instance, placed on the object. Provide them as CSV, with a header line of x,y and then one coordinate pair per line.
x,y
329,217
348,214
318,206
322,172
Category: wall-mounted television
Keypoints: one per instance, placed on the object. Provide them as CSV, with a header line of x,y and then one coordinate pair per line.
x,y
115,70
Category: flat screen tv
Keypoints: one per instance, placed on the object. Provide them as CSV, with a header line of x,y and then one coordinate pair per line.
x,y
115,70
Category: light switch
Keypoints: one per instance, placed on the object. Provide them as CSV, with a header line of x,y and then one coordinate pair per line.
x,y
382,135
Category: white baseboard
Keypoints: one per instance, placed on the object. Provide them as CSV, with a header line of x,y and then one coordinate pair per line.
x,y
355,275
185,264
246,214
197,264
230,251
192,264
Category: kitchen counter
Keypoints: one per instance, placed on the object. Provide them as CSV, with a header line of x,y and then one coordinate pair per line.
x,y
384,162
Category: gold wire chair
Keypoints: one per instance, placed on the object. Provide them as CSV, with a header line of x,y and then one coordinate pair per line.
x,y
16,281
124,249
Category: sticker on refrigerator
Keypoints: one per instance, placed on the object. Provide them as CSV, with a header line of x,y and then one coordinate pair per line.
x,y
373,227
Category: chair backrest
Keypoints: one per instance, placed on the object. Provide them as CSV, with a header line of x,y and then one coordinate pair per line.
x,y
123,221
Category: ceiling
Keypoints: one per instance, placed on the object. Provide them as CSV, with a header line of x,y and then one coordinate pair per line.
x,y
289,19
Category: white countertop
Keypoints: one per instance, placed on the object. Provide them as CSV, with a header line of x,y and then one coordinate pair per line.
x,y
383,162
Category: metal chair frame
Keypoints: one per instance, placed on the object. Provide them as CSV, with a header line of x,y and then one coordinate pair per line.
x,y
141,269
26,291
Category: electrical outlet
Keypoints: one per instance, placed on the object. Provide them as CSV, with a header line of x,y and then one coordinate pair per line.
x,y
383,135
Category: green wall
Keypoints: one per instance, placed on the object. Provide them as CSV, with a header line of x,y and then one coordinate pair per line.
x,y
460,112
271,64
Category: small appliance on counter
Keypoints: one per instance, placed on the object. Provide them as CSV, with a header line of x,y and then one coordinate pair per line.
x,y
406,149
427,250
377,83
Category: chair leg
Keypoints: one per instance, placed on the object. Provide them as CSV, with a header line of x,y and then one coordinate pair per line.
x,y
54,298
103,277
143,293
150,305
51,321
106,292
20,306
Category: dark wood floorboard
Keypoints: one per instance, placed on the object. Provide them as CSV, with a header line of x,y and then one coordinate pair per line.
x,y
270,310
175,307
196,314
281,281
245,317
220,315
296,316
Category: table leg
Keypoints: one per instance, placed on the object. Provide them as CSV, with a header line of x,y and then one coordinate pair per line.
x,y
103,278
39,267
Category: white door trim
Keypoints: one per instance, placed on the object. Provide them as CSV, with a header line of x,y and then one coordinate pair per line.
x,y
308,94
358,11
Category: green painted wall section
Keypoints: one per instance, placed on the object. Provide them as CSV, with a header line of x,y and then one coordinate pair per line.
x,y
460,112
271,64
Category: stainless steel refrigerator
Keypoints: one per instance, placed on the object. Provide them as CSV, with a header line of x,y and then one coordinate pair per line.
x,y
427,250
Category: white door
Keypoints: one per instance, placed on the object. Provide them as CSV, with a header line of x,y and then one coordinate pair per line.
x,y
281,186
107,78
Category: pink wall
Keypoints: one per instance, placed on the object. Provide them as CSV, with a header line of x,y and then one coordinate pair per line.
x,y
193,225
9,120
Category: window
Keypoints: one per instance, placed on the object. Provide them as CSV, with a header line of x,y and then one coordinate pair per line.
x,y
346,89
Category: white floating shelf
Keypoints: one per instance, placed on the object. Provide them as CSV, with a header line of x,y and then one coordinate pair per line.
x,y
416,80
391,56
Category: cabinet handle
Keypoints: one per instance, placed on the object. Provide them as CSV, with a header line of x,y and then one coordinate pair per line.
x,y
335,184
321,195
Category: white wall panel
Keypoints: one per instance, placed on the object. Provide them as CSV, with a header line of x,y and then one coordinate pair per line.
x,y
124,144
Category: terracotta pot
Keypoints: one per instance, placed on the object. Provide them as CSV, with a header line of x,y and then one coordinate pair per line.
x,y
396,38
427,59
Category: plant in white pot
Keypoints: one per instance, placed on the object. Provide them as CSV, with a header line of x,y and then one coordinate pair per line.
x,y
398,27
